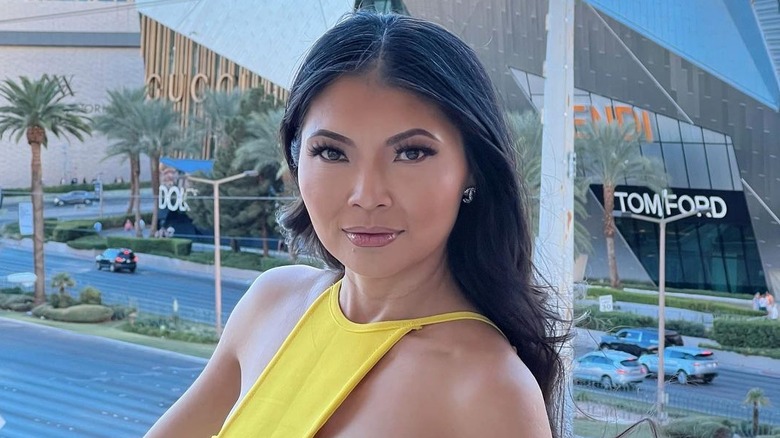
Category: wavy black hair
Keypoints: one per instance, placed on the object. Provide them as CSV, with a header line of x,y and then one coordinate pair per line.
x,y
490,248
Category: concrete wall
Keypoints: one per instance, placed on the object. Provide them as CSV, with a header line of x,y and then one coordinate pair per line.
x,y
91,65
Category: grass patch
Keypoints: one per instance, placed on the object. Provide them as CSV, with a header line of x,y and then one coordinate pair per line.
x,y
773,353
112,330
587,428
652,287
713,307
245,260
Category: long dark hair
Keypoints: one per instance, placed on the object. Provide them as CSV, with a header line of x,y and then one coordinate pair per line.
x,y
490,248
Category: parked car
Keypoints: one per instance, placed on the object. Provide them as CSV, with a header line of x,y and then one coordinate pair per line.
x,y
638,341
609,368
76,197
684,364
117,259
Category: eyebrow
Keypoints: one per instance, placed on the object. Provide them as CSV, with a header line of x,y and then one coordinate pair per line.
x,y
390,141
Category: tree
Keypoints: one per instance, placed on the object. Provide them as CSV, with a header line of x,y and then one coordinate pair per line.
x,y
526,129
121,124
35,107
755,397
251,144
609,152
160,134
62,281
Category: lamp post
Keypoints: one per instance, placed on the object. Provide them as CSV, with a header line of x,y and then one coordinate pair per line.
x,y
215,183
662,221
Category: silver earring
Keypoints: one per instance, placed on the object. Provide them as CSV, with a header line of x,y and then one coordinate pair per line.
x,y
468,195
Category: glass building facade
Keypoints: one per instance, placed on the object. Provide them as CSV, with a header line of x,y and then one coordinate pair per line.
x,y
717,253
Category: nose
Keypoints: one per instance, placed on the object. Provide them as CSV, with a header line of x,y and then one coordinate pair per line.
x,y
370,190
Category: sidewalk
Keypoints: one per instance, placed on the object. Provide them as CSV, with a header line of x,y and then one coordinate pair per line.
x,y
758,364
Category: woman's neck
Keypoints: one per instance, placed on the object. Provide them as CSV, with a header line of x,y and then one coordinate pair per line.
x,y
418,292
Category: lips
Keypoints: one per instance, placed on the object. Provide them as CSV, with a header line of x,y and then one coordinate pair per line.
x,y
371,237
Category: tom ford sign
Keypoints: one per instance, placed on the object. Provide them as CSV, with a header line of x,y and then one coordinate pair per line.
x,y
723,205
667,204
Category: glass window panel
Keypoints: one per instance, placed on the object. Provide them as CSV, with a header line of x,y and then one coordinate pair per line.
x,y
536,83
675,165
718,163
648,122
735,175
652,151
696,163
690,133
713,137
669,129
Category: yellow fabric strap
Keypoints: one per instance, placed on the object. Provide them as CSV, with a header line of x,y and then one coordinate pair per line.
x,y
318,365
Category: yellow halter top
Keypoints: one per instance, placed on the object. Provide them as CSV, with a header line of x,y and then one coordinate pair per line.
x,y
322,360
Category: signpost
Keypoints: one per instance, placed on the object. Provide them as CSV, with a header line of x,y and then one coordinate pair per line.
x,y
25,218
605,303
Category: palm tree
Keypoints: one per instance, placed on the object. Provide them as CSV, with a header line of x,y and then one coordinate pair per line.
x,y
217,111
608,152
62,281
527,132
160,133
35,107
755,397
119,124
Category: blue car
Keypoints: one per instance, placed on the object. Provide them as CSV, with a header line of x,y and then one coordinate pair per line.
x,y
684,364
608,368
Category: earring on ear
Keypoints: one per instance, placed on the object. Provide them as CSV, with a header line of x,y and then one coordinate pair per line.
x,y
468,195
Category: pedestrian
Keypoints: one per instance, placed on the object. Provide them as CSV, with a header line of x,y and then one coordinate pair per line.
x,y
169,231
142,227
428,321
98,227
128,226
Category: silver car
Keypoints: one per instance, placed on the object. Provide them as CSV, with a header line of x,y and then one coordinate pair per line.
x,y
684,364
609,368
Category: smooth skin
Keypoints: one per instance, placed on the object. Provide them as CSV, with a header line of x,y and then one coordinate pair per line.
x,y
380,160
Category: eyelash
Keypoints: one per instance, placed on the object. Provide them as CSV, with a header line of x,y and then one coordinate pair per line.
x,y
317,150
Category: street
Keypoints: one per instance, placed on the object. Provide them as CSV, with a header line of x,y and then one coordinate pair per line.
x,y
149,288
54,383
114,204
70,374
721,397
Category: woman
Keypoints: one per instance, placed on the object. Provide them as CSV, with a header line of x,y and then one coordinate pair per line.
x,y
427,321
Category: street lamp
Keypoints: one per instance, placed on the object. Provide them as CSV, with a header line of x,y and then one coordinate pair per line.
x,y
215,183
661,396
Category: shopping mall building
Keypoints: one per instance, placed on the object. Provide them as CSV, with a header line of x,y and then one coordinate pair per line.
x,y
697,77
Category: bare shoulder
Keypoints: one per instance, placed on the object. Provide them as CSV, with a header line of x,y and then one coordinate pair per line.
x,y
284,287
497,395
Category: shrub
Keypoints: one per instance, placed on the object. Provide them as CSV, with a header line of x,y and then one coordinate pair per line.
x,y
90,295
687,328
16,302
61,301
163,327
121,311
695,427
12,290
71,230
174,246
88,313
739,332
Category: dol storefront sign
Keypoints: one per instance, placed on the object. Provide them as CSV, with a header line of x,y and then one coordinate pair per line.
x,y
174,198
722,205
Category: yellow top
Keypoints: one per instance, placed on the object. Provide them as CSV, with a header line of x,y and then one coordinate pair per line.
x,y
322,360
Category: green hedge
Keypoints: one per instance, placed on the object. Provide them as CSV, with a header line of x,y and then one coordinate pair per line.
x,y
606,321
174,245
88,242
71,230
753,333
703,305
696,427
89,313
